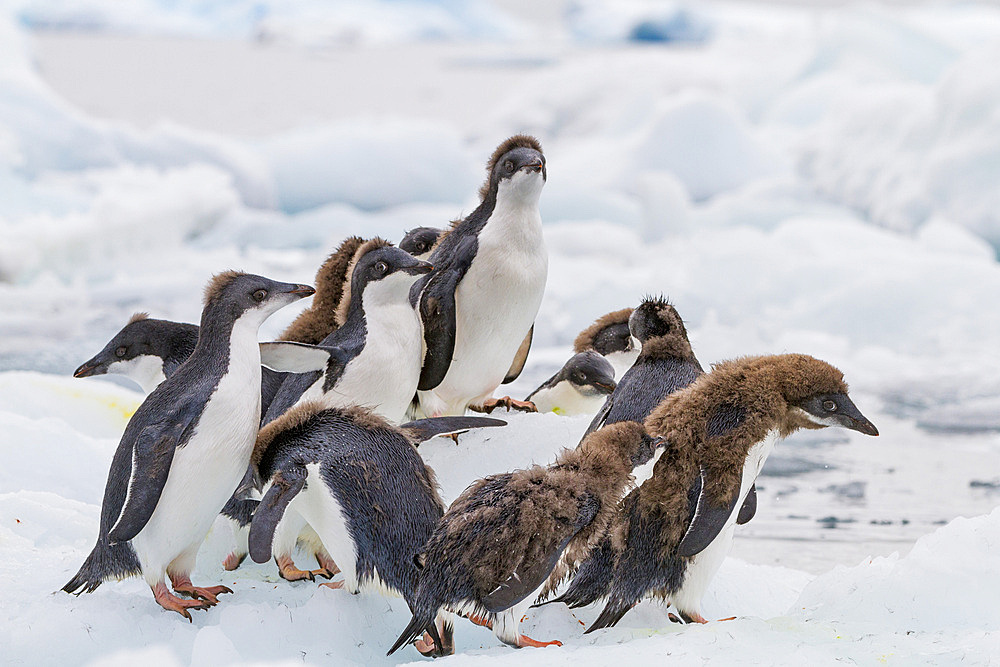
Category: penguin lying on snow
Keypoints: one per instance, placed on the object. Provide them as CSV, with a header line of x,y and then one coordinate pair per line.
x,y
499,541
359,481
579,388
186,448
478,306
145,351
420,241
610,337
719,432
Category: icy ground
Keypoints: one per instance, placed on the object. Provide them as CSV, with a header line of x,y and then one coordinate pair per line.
x,y
820,180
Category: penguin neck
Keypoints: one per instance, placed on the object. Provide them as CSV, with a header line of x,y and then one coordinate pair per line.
x,y
221,335
179,346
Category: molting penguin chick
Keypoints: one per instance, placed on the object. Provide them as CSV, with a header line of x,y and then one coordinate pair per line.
x,y
146,351
579,388
360,483
503,536
420,241
186,448
479,304
610,337
719,432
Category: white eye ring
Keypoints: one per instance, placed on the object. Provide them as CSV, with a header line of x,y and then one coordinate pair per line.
x,y
381,267
829,406
259,295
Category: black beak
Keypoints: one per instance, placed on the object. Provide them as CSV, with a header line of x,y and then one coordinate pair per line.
x,y
87,369
302,290
605,387
862,425
420,268
533,166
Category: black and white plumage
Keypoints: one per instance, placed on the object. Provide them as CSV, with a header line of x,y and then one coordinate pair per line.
x,y
579,388
479,304
186,448
610,337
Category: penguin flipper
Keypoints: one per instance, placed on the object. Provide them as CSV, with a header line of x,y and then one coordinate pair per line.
x,y
425,429
285,484
709,518
520,358
289,357
749,508
152,455
437,311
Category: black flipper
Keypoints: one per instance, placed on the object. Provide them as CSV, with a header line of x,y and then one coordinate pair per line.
x,y
425,429
437,313
520,358
284,485
151,457
240,510
528,576
749,507
709,519
413,630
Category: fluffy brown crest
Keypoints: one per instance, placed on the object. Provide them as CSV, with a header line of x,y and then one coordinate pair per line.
x,y
585,339
138,317
674,343
345,299
517,141
320,320
218,284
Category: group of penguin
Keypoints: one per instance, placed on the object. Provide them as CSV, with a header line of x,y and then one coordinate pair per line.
x,y
313,439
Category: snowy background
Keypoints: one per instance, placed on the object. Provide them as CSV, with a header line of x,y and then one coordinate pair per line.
x,y
818,178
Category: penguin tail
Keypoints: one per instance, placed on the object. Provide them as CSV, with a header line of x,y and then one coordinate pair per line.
x,y
613,612
106,561
417,626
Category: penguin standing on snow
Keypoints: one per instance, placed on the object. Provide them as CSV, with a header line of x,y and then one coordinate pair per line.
x,y
186,448
719,432
360,483
610,337
478,306
579,388
146,351
499,541
420,241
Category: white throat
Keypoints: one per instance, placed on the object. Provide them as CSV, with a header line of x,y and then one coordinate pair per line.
x,y
146,370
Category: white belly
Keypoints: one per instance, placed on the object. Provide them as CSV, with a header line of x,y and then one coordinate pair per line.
x,y
702,567
564,399
322,511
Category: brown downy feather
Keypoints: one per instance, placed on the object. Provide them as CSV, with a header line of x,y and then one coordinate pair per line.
x,y
138,317
218,284
585,339
319,320
345,300
517,141
674,343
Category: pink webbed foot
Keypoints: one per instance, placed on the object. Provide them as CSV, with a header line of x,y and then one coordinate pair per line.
x,y
207,594
171,602
233,561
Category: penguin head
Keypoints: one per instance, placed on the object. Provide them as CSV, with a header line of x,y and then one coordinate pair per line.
x,y
516,170
614,338
420,240
590,373
656,318
817,394
134,340
835,409
385,273
235,295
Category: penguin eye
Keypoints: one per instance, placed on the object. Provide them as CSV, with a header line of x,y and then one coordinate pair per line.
x,y
120,352
579,377
829,406
381,267
259,295
508,166
421,247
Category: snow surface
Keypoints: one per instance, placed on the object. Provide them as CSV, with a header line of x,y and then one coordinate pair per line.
x,y
817,179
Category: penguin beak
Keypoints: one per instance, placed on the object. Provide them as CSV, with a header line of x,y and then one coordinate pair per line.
x,y
862,425
605,387
533,166
87,369
302,291
420,268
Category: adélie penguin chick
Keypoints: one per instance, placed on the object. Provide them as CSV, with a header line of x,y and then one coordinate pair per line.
x,y
501,539
478,306
147,351
420,241
579,388
186,448
610,337
719,432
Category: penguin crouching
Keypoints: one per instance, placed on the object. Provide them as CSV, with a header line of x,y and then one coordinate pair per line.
x,y
538,515
579,388
186,448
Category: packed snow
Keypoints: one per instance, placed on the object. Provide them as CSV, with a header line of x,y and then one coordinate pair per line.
x,y
794,178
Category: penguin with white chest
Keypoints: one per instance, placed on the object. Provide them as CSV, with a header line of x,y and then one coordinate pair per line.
x,y
610,337
186,448
579,388
719,432
478,306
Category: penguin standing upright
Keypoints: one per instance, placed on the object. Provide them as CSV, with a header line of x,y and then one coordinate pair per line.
x,y
579,388
147,351
479,304
186,448
499,541
610,337
420,241
719,432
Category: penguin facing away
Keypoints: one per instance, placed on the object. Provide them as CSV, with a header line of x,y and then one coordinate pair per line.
x,y
538,515
360,483
147,351
186,448
419,241
479,304
580,387
719,432
610,337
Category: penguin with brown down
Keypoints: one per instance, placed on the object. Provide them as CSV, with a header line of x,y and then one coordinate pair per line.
x,y
679,524
610,337
498,543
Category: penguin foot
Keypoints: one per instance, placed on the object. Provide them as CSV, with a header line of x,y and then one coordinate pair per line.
x,y
171,602
524,640
429,649
288,571
327,568
693,617
479,620
491,404
233,561
334,584
207,594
